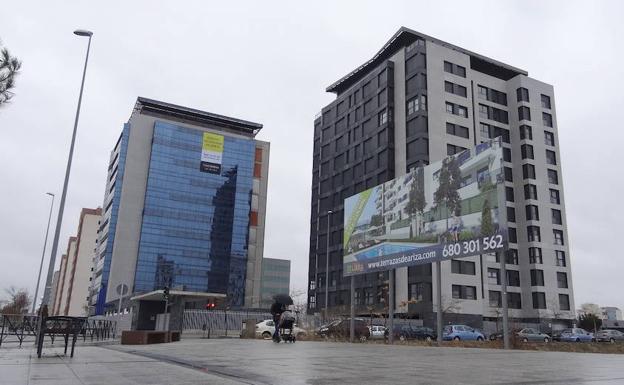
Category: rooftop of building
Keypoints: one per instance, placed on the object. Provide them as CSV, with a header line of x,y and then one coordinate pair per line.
x,y
193,116
404,37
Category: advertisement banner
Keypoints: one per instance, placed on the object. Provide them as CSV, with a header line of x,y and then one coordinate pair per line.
x,y
448,209
212,153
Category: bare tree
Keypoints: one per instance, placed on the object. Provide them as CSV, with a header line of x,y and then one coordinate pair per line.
x,y
450,306
18,303
9,68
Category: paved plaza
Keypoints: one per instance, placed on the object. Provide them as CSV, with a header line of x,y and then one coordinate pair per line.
x,y
233,361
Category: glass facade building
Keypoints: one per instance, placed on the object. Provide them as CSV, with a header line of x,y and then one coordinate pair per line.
x,y
195,224
184,208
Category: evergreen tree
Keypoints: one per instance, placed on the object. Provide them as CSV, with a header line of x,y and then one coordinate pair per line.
x,y
449,182
9,68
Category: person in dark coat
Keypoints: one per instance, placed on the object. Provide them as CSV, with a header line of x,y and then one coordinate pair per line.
x,y
276,310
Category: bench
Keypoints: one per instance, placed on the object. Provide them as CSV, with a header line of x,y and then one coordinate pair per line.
x,y
146,337
60,326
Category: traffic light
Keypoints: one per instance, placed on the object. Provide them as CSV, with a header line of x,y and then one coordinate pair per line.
x,y
210,305
166,293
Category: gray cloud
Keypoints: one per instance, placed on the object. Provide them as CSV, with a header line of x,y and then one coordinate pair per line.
x,y
270,62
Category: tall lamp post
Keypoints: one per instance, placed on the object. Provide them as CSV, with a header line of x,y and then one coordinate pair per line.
x,y
45,243
329,213
59,220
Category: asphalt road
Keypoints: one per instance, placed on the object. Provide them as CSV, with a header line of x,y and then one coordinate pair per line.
x,y
233,361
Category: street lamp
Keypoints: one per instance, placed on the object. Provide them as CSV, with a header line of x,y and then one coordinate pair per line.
x,y
45,242
59,220
329,213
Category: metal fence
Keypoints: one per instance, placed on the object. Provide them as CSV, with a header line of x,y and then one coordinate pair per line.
x,y
17,329
220,321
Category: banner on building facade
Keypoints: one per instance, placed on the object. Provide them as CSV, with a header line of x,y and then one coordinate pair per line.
x,y
212,153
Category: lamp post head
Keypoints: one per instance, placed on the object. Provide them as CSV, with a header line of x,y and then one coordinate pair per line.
x,y
50,194
83,32
329,212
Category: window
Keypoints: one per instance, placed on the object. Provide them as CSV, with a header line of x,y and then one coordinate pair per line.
x,y
462,267
452,149
508,174
537,277
485,130
511,233
558,234
423,102
506,154
457,130
532,213
502,132
456,109
383,117
530,191
418,292
522,94
454,69
455,89
549,138
509,194
533,234
357,296
560,259
545,101
535,255
412,106
564,302
513,278
527,151
493,113
495,298
493,276
511,214
552,177
556,217
528,171
512,256
464,292
524,113
554,197
526,132
562,280
539,300
547,119
514,300
551,157
492,95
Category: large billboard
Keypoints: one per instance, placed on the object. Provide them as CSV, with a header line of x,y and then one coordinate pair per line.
x,y
448,209
212,153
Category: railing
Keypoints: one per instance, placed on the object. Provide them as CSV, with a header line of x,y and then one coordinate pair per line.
x,y
220,321
19,328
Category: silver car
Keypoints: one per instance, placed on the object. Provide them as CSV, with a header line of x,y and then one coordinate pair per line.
x,y
609,335
530,334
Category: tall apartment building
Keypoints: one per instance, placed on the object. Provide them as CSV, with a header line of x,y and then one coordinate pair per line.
x,y
74,276
417,101
184,207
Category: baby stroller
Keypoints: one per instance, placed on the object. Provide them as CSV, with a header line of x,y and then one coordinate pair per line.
x,y
286,326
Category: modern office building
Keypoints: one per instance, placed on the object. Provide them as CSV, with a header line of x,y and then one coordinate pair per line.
x,y
73,278
275,280
419,100
184,207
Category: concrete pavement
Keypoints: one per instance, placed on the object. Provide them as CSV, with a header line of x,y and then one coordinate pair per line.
x,y
233,361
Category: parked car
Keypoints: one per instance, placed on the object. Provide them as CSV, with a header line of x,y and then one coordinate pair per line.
x,y
574,335
408,332
322,331
377,332
341,329
530,334
609,335
461,333
499,334
266,328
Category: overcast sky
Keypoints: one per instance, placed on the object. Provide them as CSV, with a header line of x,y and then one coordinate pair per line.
x,y
270,62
